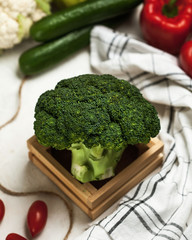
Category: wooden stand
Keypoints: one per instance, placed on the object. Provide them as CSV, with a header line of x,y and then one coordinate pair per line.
x,y
95,197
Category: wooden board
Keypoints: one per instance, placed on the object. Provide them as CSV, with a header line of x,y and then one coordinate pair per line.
x,y
95,197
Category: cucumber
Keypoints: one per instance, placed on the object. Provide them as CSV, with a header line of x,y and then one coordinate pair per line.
x,y
44,56
78,16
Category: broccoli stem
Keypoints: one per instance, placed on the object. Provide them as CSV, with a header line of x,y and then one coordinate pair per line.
x,y
96,163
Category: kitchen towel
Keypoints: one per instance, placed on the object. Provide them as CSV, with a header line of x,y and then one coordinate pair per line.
x,y
160,206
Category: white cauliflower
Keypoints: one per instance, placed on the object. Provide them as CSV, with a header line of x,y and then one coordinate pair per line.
x,y
16,18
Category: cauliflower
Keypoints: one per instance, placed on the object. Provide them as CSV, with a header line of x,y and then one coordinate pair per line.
x,y
16,18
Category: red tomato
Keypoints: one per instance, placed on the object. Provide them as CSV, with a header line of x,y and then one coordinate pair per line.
x,y
37,217
2,210
185,57
14,236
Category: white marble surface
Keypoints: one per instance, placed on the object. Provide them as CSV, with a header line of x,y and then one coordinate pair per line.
x,y
17,173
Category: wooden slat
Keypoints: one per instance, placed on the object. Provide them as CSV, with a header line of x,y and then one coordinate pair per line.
x,y
54,166
106,203
126,174
94,213
60,184
91,200
90,188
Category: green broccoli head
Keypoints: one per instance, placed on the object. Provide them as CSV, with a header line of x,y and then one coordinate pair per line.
x,y
97,114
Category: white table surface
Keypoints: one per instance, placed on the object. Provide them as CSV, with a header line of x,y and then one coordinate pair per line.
x,y
17,173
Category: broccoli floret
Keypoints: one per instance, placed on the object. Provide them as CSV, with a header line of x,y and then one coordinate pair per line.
x,y
96,117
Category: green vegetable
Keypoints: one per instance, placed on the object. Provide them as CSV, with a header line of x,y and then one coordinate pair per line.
x,y
45,5
96,117
46,55
78,16
67,3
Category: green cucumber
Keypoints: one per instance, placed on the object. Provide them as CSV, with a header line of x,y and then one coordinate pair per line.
x,y
44,56
78,16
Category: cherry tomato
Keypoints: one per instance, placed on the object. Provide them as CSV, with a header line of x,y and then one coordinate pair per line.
x,y
185,58
14,236
2,210
37,217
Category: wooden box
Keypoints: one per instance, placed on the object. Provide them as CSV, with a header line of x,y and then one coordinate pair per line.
x,y
95,197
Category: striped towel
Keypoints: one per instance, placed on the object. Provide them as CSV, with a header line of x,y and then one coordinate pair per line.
x,y
160,206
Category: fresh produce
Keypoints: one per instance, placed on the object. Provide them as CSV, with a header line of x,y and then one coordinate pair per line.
x,y
17,17
14,236
96,117
2,210
166,24
67,3
46,55
37,217
185,57
78,16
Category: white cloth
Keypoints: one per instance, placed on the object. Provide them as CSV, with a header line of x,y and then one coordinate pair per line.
x,y
160,206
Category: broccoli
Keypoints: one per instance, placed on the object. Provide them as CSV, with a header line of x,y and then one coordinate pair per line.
x,y
96,117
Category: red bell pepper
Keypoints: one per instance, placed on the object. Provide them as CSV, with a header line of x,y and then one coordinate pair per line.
x,y
165,24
